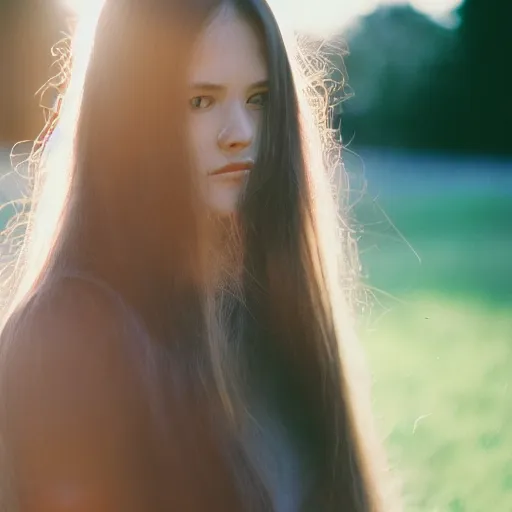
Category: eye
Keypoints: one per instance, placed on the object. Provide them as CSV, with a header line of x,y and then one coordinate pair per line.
x,y
258,100
201,102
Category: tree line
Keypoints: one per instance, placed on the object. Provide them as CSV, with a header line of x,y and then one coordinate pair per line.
x,y
419,85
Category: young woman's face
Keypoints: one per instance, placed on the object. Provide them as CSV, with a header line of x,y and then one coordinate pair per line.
x,y
228,92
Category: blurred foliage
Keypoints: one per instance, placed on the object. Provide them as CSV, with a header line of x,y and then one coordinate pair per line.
x,y
421,85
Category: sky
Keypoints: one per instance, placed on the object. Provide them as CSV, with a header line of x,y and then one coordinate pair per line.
x,y
329,15
325,16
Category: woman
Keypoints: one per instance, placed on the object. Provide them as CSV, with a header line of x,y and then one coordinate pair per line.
x,y
177,339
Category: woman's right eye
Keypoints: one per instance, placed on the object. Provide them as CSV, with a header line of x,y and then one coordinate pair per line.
x,y
201,102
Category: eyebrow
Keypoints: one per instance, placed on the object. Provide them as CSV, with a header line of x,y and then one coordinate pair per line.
x,y
208,86
262,84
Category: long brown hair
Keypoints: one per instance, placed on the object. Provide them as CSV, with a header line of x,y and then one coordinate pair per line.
x,y
129,216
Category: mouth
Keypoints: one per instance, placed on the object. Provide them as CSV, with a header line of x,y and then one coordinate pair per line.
x,y
234,169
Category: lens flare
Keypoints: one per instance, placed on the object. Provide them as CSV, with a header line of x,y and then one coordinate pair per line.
x,y
83,8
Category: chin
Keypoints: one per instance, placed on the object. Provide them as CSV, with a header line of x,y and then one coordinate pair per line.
x,y
223,210
225,203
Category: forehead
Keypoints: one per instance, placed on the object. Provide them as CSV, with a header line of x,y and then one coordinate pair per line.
x,y
228,50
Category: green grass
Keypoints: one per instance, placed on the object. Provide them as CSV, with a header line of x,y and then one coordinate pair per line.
x,y
456,245
443,397
441,348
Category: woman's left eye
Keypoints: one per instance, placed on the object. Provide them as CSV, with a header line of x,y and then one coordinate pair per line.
x,y
258,100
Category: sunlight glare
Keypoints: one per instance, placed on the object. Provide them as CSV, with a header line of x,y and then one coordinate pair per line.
x,y
84,8
318,16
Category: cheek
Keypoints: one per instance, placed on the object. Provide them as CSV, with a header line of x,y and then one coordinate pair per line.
x,y
203,135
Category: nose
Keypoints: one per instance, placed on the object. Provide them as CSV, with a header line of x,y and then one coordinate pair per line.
x,y
238,132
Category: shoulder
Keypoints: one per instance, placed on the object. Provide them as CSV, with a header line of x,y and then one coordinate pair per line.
x,y
75,414
69,336
66,313
63,306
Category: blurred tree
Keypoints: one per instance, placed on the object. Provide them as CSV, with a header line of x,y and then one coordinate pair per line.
x,y
472,104
391,54
486,49
420,85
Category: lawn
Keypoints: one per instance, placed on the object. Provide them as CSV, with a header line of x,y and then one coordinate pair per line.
x,y
439,342
442,372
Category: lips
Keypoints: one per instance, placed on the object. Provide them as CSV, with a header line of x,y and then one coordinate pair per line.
x,y
236,167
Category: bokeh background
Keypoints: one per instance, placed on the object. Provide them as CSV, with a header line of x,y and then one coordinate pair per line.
x,y
425,116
